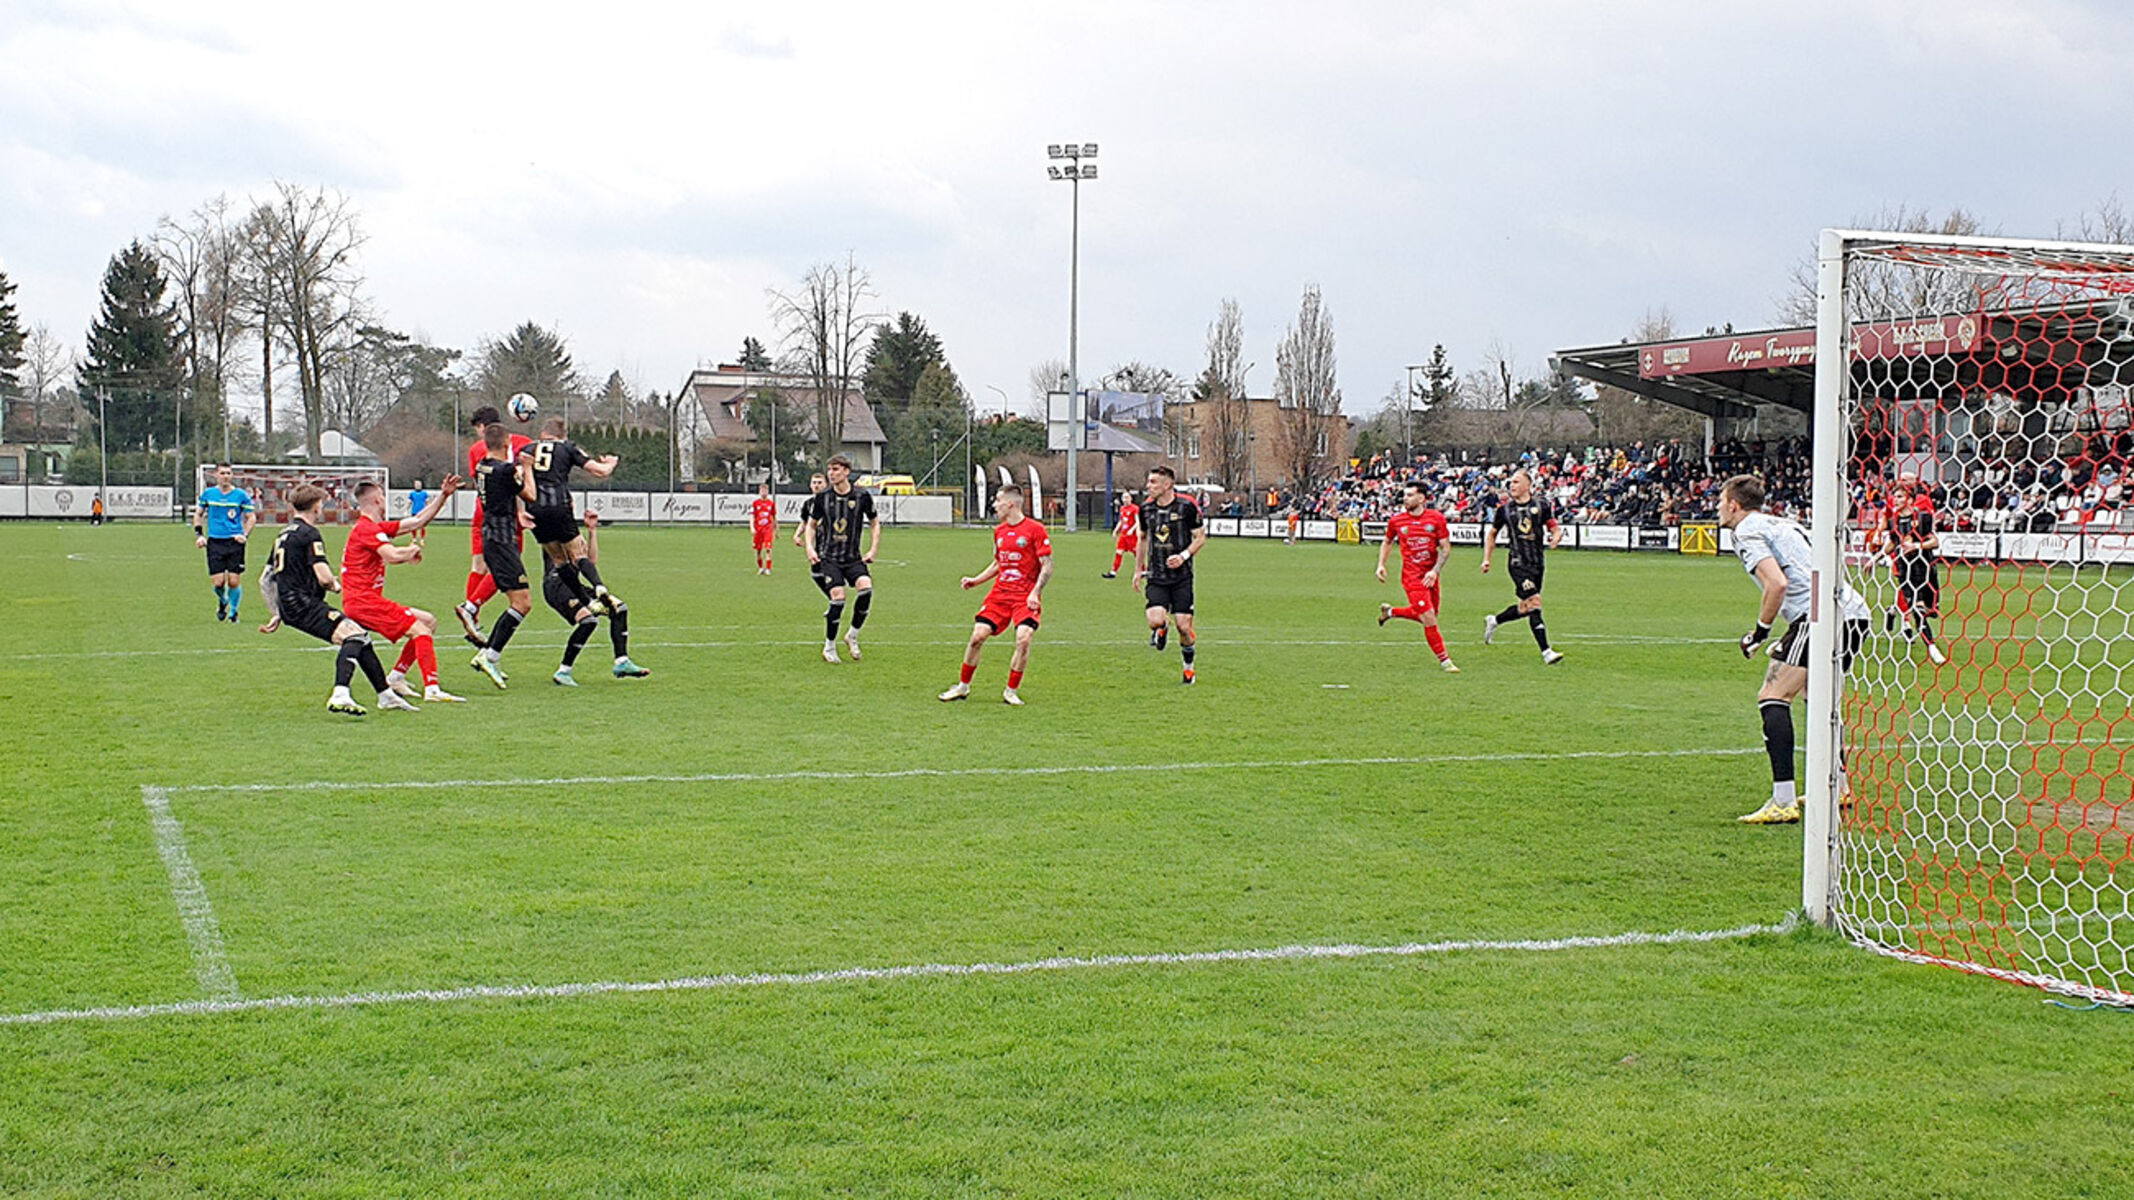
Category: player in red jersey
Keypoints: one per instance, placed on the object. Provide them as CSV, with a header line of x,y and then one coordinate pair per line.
x,y
1022,562
1908,533
480,587
1425,540
763,526
1127,534
370,548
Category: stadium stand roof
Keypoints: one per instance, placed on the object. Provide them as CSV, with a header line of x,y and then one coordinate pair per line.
x,y
2038,352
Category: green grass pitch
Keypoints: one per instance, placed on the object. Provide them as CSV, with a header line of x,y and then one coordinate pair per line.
x,y
752,811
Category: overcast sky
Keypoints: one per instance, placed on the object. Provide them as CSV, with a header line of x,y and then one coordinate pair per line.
x,y
1530,173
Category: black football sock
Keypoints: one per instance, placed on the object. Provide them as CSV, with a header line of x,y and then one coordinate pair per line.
x,y
1541,631
859,606
830,618
580,635
589,572
619,630
344,663
1778,738
1511,613
1186,648
373,670
1926,628
506,625
568,573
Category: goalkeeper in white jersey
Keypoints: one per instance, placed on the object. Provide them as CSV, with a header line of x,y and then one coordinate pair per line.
x,y
1774,551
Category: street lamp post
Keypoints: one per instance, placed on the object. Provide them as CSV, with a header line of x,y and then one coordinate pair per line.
x,y
1407,398
1074,172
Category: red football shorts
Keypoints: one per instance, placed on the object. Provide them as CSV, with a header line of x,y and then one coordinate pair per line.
x,y
763,539
379,615
1420,596
1128,542
1006,612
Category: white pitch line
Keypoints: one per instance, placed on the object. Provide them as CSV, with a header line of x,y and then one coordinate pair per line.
x,y
1268,764
701,983
210,965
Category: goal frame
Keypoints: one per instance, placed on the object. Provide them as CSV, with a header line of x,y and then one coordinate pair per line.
x,y
1820,796
283,478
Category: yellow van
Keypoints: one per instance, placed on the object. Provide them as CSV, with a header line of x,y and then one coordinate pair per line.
x,y
889,485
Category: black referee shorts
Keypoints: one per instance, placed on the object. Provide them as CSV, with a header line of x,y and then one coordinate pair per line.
x,y
225,556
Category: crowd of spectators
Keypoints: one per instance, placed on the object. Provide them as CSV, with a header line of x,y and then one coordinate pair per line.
x,y
1667,483
1662,483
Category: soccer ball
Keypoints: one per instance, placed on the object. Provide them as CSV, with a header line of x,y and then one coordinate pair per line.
x,y
524,407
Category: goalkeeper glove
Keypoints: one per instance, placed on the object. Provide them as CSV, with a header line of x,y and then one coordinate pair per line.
x,y
1754,638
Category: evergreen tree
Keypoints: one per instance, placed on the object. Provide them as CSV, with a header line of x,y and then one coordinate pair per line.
x,y
532,360
898,356
11,339
132,356
753,356
937,415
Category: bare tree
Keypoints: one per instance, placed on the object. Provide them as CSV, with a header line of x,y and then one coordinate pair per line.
x,y
1225,427
46,362
825,327
2108,222
304,247
1886,291
1307,393
1046,378
204,256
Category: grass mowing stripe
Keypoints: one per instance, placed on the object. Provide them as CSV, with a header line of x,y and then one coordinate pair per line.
x,y
563,991
1424,760
210,964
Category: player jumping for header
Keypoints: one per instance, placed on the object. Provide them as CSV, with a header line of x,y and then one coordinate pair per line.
x,y
555,524
1171,536
1531,528
1022,562
1774,552
480,585
503,483
1425,542
584,619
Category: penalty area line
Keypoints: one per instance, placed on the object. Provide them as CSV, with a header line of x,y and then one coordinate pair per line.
x,y
706,983
1270,764
210,964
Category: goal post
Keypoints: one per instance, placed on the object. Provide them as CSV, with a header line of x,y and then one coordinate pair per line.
x,y
271,483
1969,795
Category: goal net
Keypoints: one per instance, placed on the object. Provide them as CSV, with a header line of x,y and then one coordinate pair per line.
x,y
1971,798
271,483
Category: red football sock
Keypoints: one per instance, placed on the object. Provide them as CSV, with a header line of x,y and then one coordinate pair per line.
x,y
1116,558
1015,679
407,658
425,652
1410,613
1436,640
480,586
968,671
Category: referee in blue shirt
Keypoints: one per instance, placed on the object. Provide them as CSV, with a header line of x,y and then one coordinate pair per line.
x,y
221,524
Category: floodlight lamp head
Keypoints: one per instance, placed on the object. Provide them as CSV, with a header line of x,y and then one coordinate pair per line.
x,y
1053,151
1054,172
1089,149
1089,170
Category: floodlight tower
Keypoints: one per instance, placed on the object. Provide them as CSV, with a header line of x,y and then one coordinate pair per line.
x,y
1074,172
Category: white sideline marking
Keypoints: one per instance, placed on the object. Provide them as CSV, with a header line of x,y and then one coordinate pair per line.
x,y
701,983
1269,764
210,965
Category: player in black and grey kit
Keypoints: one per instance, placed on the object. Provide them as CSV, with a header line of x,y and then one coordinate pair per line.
x,y
833,544
584,618
548,496
301,580
1171,535
503,482
1531,530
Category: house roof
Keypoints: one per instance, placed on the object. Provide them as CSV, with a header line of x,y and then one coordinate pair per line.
x,y
723,395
